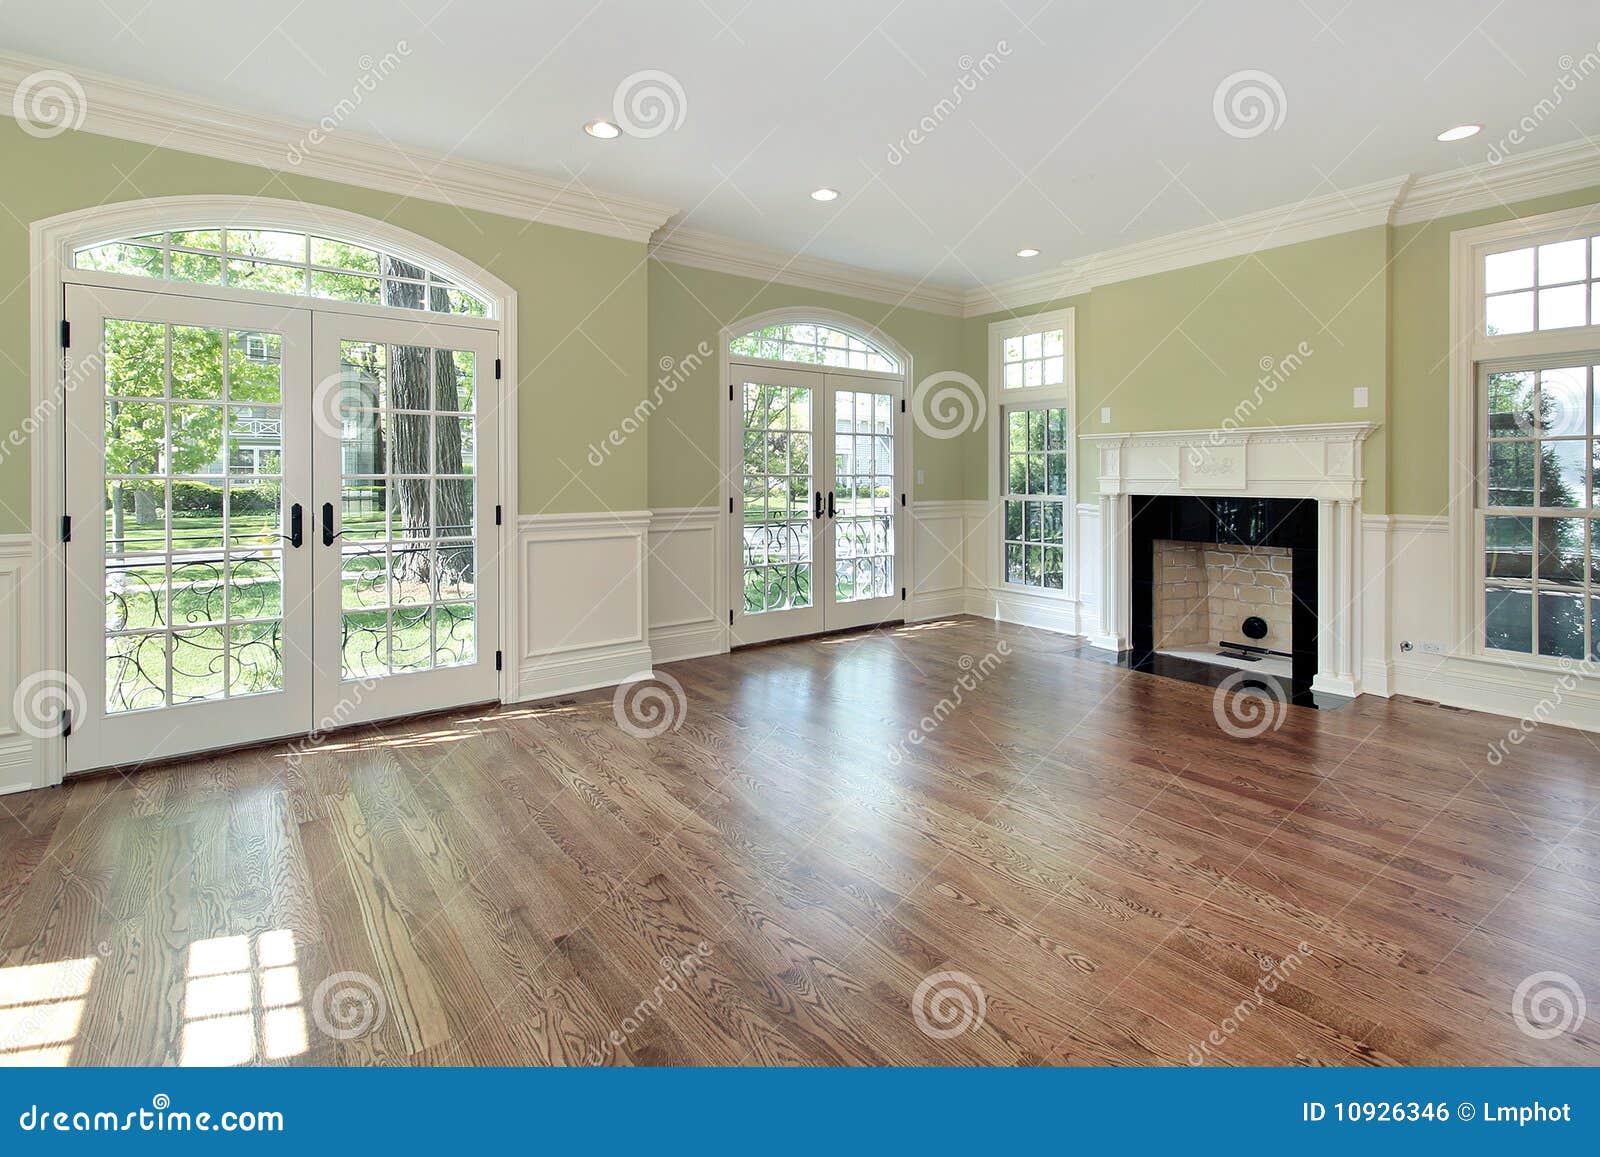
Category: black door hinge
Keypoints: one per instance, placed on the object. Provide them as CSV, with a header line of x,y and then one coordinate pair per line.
x,y
902,500
497,369
66,334
66,528
730,616
730,506
499,659
66,722
902,405
730,391
902,594
498,514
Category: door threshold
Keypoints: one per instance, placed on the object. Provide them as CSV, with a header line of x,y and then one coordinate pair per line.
x,y
125,769
835,633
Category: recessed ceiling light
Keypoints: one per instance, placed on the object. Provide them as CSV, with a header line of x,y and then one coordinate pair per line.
x,y
1027,253
605,130
824,194
1460,132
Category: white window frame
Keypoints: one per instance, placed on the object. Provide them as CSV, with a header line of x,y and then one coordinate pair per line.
x,y
1472,351
1001,401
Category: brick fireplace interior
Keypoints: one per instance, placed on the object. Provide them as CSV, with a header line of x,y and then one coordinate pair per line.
x,y
1225,603
1222,584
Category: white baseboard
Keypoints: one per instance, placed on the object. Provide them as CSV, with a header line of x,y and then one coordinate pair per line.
x,y
687,641
936,605
1561,698
569,672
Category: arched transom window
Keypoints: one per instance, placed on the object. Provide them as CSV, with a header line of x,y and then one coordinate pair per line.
x,y
282,261
814,345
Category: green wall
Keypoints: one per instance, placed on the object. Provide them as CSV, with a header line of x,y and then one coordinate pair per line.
x,y
689,306
581,303
1276,338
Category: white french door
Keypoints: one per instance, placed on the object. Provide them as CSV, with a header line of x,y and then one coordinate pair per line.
x,y
407,560
820,511
253,555
188,592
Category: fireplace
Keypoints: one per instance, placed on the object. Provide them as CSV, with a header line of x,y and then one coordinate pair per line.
x,y
1236,494
1227,583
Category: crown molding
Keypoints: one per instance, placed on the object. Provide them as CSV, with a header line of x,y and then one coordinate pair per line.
x,y
126,109
744,259
1314,217
1493,184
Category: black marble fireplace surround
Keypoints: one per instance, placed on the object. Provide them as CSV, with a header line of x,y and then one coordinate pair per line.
x,y
1290,523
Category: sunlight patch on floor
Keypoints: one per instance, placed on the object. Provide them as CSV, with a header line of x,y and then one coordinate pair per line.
x,y
242,1002
41,1008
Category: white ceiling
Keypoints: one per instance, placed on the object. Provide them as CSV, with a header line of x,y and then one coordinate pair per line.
x,y
1094,127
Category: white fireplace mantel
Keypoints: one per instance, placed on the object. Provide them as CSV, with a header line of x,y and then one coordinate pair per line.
x,y
1321,462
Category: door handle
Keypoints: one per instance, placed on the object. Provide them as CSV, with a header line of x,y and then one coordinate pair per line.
x,y
830,504
327,525
296,525
819,504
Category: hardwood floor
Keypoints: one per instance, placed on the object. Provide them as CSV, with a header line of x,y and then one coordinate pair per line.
x,y
1114,878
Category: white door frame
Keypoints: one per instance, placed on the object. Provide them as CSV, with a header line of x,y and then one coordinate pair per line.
x,y
732,466
51,244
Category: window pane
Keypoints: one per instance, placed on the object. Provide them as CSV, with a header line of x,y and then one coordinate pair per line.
x,y
1508,313
1511,473
1561,551
1563,402
1508,547
1503,271
268,243
1508,619
1017,429
1561,474
1013,519
1511,405
1054,343
1564,307
1563,261
1561,624
1036,429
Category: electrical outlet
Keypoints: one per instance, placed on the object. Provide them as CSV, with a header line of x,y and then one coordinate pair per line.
x,y
922,476
1105,415
1360,393
1431,648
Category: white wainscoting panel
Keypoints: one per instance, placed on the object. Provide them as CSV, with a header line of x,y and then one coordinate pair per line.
x,y
20,766
687,571
942,559
584,593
